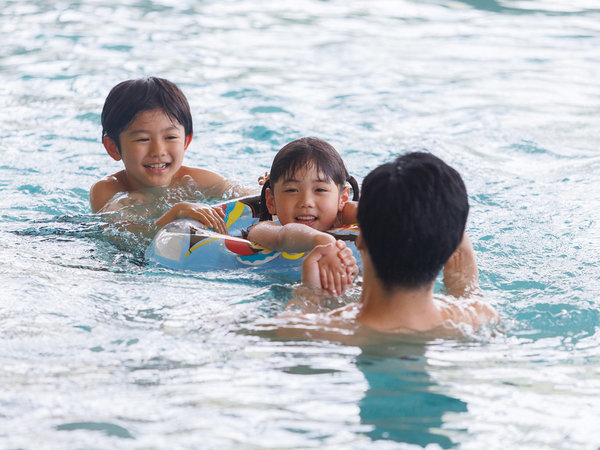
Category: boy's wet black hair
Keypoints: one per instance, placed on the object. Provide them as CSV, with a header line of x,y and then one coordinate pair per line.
x,y
128,98
305,152
412,215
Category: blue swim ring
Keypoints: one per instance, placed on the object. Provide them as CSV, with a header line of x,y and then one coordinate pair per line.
x,y
188,245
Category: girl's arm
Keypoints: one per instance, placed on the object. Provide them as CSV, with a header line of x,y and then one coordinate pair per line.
x,y
349,213
292,237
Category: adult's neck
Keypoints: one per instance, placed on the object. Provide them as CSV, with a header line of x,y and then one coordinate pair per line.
x,y
396,310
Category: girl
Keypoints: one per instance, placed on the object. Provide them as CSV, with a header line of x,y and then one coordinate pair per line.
x,y
307,192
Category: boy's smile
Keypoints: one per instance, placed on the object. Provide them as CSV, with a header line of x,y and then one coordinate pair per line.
x,y
306,197
152,149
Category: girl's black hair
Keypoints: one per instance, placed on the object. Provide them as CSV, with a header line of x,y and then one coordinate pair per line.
x,y
301,153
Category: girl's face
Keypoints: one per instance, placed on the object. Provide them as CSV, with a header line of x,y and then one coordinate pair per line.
x,y
306,197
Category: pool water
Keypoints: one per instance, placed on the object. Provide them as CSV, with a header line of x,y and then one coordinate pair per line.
x,y
101,349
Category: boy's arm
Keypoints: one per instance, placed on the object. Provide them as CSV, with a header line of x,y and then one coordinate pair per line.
x,y
461,277
104,190
293,237
205,214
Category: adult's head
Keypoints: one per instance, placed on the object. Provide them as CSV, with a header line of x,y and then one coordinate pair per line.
x,y
412,214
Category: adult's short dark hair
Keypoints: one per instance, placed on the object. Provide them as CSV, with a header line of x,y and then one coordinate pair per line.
x,y
412,214
128,98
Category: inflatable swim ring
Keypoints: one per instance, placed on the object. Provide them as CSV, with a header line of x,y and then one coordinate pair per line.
x,y
188,245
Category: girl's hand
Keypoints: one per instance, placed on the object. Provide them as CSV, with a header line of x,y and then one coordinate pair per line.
x,y
314,272
325,268
263,179
209,216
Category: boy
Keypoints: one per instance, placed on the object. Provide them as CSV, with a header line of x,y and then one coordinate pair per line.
x,y
147,124
412,215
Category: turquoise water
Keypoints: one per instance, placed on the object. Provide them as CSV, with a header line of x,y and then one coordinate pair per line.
x,y
100,349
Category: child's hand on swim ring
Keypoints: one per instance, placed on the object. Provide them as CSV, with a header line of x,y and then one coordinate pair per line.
x,y
263,179
209,216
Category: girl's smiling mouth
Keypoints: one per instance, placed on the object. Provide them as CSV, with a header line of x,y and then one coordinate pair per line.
x,y
306,219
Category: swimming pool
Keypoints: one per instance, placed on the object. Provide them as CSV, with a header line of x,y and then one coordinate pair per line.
x,y
100,349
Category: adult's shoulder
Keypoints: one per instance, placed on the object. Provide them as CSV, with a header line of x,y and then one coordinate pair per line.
x,y
473,311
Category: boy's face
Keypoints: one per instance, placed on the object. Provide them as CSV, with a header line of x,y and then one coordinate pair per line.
x,y
152,149
306,197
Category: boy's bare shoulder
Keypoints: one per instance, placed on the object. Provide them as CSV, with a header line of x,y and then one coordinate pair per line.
x,y
213,184
203,178
105,189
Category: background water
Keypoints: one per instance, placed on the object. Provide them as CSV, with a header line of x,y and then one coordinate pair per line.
x,y
98,349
